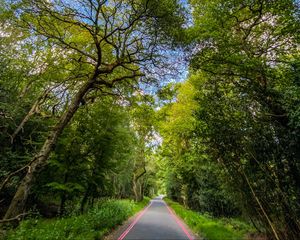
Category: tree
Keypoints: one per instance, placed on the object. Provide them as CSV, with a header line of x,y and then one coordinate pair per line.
x,y
143,124
189,175
244,71
89,155
109,42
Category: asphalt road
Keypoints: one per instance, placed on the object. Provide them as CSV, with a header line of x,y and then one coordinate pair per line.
x,y
157,221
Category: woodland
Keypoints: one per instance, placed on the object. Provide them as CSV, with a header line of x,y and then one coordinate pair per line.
x,y
103,101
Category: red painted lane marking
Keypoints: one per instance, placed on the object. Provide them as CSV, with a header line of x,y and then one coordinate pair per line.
x,y
179,223
134,222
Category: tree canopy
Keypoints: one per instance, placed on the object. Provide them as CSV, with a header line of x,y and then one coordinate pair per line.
x,y
92,106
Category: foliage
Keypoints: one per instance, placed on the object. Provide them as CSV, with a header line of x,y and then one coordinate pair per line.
x,y
189,174
243,72
68,55
79,121
230,139
211,228
98,221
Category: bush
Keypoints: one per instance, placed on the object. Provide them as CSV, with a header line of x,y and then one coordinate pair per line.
x,y
212,228
97,222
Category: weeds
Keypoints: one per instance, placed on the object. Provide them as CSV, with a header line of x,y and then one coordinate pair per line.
x,y
212,228
97,222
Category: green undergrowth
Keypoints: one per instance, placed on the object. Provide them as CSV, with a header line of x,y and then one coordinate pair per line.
x,y
211,228
94,224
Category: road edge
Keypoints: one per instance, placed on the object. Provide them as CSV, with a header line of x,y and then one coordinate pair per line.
x,y
123,227
193,235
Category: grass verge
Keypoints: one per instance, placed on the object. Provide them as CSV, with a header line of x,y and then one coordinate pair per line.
x,y
212,228
97,222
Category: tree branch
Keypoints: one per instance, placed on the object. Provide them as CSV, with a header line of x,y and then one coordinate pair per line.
x,y
17,218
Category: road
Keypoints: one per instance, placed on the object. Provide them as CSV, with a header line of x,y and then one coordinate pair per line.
x,y
156,221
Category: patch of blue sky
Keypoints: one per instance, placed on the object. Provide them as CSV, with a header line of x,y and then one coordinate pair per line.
x,y
173,70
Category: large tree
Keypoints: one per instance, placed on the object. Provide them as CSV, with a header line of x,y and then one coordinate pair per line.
x,y
109,43
245,67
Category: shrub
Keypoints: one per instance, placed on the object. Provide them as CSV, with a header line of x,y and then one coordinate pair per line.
x,y
97,222
212,228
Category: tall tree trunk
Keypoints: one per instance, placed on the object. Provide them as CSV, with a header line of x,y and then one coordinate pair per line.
x,y
261,207
39,161
63,197
141,191
137,190
31,112
84,199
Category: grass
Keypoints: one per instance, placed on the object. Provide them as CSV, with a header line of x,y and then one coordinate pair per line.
x,y
212,228
97,222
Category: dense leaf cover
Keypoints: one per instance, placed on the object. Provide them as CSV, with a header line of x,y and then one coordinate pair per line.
x,y
86,112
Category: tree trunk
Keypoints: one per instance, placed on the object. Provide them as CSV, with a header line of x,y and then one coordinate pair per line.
x,y
62,204
261,207
63,197
136,190
84,200
137,186
141,191
31,112
39,161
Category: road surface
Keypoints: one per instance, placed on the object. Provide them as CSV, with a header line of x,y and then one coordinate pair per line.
x,y
156,221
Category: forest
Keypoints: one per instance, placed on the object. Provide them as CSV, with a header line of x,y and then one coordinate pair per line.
x,y
105,104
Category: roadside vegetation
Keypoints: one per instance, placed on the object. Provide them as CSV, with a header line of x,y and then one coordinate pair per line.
x,y
76,119
100,219
231,139
121,99
212,228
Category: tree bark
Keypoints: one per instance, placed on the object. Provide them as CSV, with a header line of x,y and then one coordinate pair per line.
x,y
136,191
6,180
84,199
137,188
39,161
63,197
31,112
261,207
